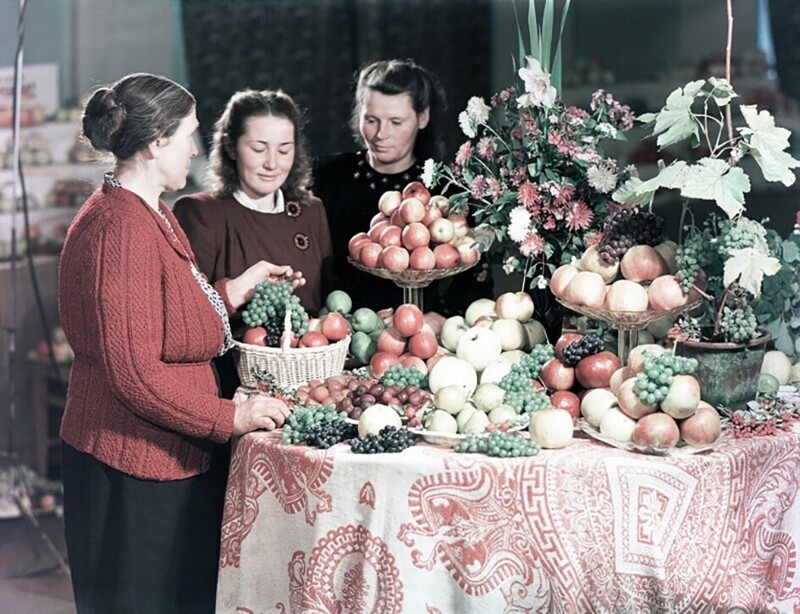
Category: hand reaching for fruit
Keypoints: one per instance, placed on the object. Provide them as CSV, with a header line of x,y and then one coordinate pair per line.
x,y
240,289
258,411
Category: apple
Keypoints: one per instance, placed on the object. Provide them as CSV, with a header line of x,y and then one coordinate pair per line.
x,y
417,189
496,371
397,219
512,356
441,203
376,230
442,230
432,213
415,235
668,250
381,361
460,224
657,431
312,339
434,359
479,307
488,396
568,400
314,325
502,414
452,329
378,217
446,255
356,242
510,332
565,340
365,319
630,403
619,376
375,418
435,321
389,202
665,293
408,361
452,370
479,346
485,321
370,254
551,428
617,425
595,371
637,355
777,364
394,258
535,334
556,375
408,319
701,428
593,261
450,398
561,278
412,210
515,305
626,295
595,403
642,263
422,259
682,398
392,342
335,326
468,249
586,288
423,345
257,335
391,235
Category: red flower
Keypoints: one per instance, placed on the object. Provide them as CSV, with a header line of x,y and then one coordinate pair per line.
x,y
579,216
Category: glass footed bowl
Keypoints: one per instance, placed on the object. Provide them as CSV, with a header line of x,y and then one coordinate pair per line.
x,y
628,320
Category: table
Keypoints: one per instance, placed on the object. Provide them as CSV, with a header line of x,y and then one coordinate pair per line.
x,y
586,528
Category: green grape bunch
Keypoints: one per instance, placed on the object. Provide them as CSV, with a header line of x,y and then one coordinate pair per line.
x,y
690,257
305,420
398,375
270,301
500,444
740,325
653,382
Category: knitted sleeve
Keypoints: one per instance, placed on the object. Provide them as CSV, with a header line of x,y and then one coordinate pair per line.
x,y
130,313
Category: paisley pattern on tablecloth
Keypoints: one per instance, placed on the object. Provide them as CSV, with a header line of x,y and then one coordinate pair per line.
x,y
367,495
349,570
298,486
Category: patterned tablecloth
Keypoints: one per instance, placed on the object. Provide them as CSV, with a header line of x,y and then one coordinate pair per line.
x,y
590,528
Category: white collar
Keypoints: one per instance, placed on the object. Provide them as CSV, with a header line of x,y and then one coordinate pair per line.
x,y
244,200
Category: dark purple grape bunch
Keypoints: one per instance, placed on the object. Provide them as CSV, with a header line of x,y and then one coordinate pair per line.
x,y
626,227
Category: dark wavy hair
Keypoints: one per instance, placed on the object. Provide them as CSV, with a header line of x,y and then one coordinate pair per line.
x,y
124,118
393,77
223,175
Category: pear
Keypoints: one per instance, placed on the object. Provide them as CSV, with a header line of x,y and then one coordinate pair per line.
x,y
450,398
487,396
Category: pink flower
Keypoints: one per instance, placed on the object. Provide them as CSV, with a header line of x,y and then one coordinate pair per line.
x,y
464,153
478,187
594,239
579,216
549,223
494,187
532,246
565,195
519,175
486,147
528,195
797,219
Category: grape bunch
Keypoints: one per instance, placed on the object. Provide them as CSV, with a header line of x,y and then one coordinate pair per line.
x,y
390,439
520,382
398,375
691,255
269,303
410,398
738,234
652,384
305,420
531,364
586,346
274,328
333,390
739,324
627,227
499,443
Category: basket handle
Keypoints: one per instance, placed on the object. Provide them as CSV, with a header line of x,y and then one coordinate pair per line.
x,y
287,329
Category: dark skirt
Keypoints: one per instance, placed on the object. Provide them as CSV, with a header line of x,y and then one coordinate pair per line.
x,y
138,545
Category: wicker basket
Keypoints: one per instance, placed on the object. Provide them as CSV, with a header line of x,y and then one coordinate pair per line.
x,y
292,367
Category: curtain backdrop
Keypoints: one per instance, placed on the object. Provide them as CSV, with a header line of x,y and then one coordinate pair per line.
x,y
312,49
785,24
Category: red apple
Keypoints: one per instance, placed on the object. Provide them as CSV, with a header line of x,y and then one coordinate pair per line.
x,y
565,399
415,235
423,345
394,258
412,210
408,360
665,293
376,230
468,250
657,431
378,217
446,256
256,335
593,261
441,202
397,219
626,295
389,340
561,277
417,189
515,306
595,371
586,288
422,259
313,339
701,428
642,263
356,242
380,362
556,375
370,254
630,403
435,321
408,320
460,224
432,213
335,326
442,230
391,235
564,340
389,202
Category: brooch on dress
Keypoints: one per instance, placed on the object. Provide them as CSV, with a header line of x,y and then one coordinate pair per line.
x,y
293,209
301,241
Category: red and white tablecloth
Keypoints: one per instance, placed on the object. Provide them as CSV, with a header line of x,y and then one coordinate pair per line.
x,y
590,528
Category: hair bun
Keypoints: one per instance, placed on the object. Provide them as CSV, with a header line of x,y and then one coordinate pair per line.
x,y
103,118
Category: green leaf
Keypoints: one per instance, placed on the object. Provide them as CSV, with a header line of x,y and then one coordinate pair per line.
x,y
673,176
628,192
781,336
547,35
790,251
674,122
520,38
712,179
747,267
555,76
647,118
722,91
767,143
533,30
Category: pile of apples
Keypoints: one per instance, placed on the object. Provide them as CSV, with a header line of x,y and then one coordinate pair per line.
x,y
409,340
643,280
415,230
619,414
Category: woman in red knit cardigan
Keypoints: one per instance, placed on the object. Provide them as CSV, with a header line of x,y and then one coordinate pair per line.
x,y
142,511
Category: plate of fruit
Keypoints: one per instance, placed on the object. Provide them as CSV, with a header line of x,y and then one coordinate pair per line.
x,y
440,428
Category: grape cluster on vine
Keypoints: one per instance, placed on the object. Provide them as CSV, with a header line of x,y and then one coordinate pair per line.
x,y
627,227
398,375
390,439
691,256
270,301
587,345
653,382
305,421
740,324
501,444
519,382
739,234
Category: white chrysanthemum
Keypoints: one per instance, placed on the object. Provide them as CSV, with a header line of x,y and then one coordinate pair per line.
x,y
519,223
466,125
607,130
538,91
601,179
478,110
427,172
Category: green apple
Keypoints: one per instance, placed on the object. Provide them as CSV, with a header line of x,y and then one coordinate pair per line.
x,y
464,415
365,319
778,364
362,347
340,301
487,396
477,423
502,414
442,422
450,398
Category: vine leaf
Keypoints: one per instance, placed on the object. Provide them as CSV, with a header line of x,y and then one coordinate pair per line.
x,y
767,143
674,122
712,179
747,267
